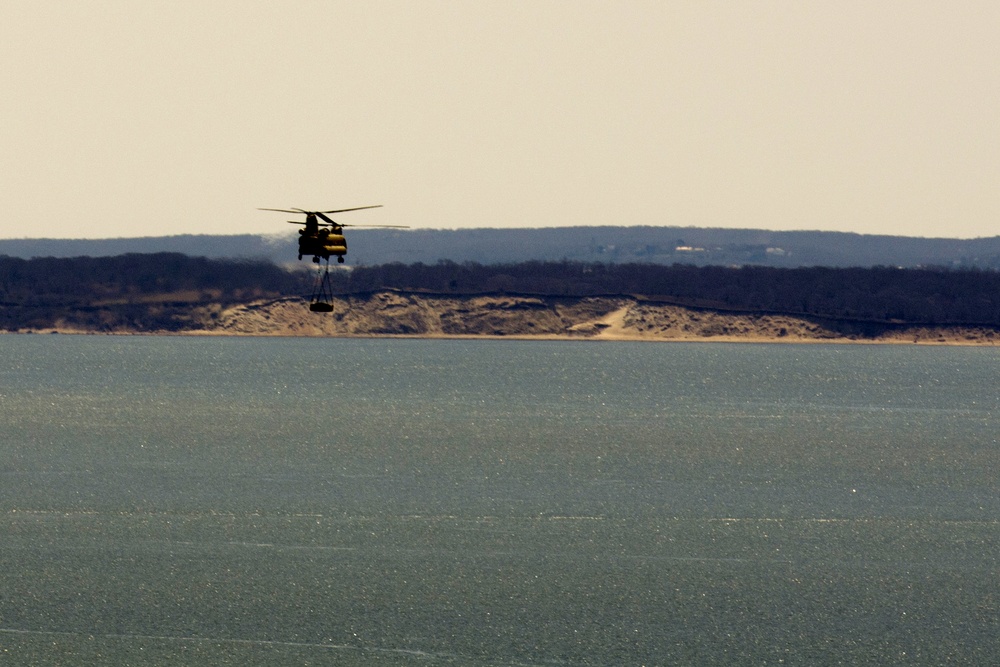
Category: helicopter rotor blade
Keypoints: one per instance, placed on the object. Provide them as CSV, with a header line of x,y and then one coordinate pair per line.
x,y
302,210
344,224
345,210
328,222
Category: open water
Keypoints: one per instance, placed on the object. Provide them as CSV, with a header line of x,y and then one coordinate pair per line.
x,y
249,501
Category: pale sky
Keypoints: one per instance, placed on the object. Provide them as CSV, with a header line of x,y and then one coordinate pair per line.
x,y
146,118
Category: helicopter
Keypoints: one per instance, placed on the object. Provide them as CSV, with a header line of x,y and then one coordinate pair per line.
x,y
323,240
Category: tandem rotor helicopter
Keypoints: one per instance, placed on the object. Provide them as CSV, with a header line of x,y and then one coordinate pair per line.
x,y
324,240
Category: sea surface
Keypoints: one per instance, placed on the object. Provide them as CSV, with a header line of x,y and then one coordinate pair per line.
x,y
259,501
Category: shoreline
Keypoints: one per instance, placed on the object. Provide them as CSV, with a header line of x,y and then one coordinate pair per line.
x,y
393,314
554,338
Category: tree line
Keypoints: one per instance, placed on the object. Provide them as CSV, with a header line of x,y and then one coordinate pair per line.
x,y
931,296
85,279
153,291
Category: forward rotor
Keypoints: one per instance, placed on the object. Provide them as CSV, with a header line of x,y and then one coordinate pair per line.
x,y
300,210
328,222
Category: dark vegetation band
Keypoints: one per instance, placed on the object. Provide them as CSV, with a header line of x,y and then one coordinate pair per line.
x,y
133,282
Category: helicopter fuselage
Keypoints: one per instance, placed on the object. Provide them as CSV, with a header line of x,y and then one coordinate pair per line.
x,y
323,243
323,240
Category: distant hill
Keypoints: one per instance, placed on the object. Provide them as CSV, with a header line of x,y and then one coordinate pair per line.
x,y
243,246
611,245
